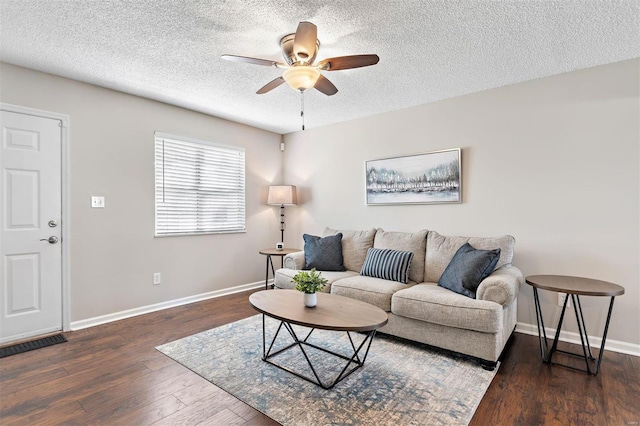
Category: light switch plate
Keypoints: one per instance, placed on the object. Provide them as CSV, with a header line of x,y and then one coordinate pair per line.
x,y
97,202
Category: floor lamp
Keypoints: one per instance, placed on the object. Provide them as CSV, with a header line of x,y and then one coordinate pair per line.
x,y
282,195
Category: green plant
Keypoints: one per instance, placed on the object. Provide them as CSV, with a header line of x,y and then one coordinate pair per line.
x,y
309,282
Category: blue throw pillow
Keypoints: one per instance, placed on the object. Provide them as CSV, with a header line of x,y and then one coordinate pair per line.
x,y
468,268
387,264
324,254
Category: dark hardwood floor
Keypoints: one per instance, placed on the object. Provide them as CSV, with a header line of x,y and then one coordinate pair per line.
x,y
111,374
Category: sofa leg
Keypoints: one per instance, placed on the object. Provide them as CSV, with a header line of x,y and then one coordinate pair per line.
x,y
488,365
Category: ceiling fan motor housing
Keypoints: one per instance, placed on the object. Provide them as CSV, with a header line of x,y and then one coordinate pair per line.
x,y
286,44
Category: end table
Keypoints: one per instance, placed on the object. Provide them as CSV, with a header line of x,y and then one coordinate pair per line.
x,y
274,252
574,287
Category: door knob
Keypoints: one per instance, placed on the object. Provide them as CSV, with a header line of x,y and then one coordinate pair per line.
x,y
52,239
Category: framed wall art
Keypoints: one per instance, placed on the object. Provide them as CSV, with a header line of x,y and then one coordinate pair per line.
x,y
429,178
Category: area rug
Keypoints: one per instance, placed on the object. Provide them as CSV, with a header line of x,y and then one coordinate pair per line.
x,y
401,383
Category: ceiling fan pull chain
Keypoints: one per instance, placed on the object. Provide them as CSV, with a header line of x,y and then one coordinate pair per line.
x,y
302,107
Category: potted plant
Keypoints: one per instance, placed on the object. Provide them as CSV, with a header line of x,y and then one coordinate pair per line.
x,y
309,282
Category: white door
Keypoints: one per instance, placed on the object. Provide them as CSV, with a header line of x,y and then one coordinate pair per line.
x,y
30,234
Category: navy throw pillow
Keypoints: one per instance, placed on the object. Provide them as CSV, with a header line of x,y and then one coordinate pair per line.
x,y
324,254
387,264
468,268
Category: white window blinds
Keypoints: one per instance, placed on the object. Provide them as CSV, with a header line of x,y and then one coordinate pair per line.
x,y
200,186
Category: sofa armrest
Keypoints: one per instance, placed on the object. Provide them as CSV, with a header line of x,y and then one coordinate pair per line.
x,y
502,286
294,260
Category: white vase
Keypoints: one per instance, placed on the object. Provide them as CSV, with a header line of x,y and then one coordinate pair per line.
x,y
310,300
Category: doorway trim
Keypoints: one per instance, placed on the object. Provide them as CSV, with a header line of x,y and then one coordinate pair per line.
x,y
65,123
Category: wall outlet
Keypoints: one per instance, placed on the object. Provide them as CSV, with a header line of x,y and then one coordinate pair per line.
x,y
97,202
561,297
157,278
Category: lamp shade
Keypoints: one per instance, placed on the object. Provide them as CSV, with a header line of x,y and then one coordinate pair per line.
x,y
282,195
301,77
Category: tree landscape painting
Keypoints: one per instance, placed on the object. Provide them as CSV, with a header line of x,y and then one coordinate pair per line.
x,y
428,178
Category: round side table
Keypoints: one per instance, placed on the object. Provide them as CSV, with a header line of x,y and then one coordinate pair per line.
x,y
573,287
274,252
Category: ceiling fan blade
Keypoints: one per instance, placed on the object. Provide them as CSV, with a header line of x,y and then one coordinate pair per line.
x,y
347,62
325,86
255,61
270,85
304,43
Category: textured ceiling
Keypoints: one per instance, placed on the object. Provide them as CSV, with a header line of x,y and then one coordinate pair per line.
x,y
429,50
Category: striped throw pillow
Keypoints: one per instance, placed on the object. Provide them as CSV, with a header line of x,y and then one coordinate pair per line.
x,y
387,264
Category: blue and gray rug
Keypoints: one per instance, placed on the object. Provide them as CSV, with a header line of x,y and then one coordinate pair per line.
x,y
401,383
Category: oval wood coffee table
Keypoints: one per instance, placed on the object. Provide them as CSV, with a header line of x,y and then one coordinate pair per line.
x,y
573,287
333,312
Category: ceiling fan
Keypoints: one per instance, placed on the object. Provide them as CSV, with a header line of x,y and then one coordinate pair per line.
x,y
300,73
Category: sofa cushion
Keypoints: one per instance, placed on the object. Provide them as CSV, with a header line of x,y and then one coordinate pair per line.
x,y
387,264
354,246
435,304
467,269
375,291
441,249
414,242
284,278
323,253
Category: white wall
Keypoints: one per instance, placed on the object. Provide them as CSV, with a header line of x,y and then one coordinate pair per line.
x,y
553,162
113,251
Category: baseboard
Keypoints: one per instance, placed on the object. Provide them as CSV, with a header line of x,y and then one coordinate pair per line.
x,y
103,319
571,337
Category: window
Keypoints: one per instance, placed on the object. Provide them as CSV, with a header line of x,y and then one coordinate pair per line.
x,y
199,186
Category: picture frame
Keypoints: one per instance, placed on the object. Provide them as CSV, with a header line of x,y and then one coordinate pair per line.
x,y
428,178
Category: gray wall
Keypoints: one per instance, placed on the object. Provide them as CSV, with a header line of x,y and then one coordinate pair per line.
x,y
113,250
553,162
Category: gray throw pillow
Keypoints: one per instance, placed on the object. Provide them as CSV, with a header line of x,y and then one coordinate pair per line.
x,y
468,268
387,264
324,254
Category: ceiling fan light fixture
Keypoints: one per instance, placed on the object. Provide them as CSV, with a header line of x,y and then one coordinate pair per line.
x,y
301,77
301,72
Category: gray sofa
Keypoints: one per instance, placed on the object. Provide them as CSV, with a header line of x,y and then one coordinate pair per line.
x,y
421,310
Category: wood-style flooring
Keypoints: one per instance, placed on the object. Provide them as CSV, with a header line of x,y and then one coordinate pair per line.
x,y
111,374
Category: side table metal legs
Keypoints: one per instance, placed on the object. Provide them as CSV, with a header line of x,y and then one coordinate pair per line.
x,y
547,353
266,274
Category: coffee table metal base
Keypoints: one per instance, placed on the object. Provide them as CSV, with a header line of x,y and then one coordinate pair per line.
x,y
355,361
